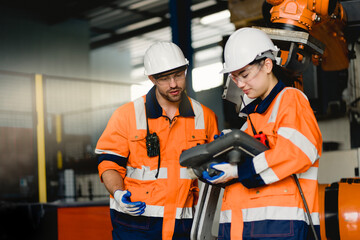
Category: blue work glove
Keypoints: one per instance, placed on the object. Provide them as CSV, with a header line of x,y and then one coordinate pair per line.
x,y
128,207
217,136
227,171
223,132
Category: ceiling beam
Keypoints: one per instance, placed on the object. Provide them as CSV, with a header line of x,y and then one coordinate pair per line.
x,y
114,38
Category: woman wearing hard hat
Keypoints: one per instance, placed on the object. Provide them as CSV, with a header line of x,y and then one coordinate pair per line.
x,y
275,196
152,196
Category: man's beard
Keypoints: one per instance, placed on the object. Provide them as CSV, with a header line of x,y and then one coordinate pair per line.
x,y
171,98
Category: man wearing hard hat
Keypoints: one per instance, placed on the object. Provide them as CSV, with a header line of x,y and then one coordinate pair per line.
x,y
275,193
152,196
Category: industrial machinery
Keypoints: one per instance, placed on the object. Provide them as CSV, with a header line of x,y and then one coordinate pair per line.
x,y
339,209
322,20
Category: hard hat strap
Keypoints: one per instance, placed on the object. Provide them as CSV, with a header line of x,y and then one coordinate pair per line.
x,y
267,54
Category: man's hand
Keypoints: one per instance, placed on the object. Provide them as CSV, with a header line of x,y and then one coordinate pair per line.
x,y
128,207
226,172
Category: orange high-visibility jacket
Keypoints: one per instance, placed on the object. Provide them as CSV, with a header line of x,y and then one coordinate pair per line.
x,y
172,194
266,202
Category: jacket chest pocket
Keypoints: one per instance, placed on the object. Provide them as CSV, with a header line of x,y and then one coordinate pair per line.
x,y
138,140
195,138
137,146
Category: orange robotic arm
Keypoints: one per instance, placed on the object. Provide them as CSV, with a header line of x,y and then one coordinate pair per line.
x,y
300,13
323,20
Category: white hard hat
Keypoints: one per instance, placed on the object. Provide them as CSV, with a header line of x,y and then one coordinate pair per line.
x,y
244,46
163,56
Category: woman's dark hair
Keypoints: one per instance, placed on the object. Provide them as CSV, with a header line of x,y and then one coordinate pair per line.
x,y
288,77
282,74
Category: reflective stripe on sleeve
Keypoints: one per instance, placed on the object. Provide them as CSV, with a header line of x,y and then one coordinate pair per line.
x,y
145,173
156,211
262,168
278,213
260,163
225,216
311,174
100,151
268,176
140,113
199,115
299,140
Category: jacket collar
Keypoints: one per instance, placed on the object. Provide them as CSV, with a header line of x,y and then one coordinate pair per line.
x,y
260,106
154,110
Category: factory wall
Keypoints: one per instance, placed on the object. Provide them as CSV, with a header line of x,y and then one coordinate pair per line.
x,y
31,46
81,89
108,64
